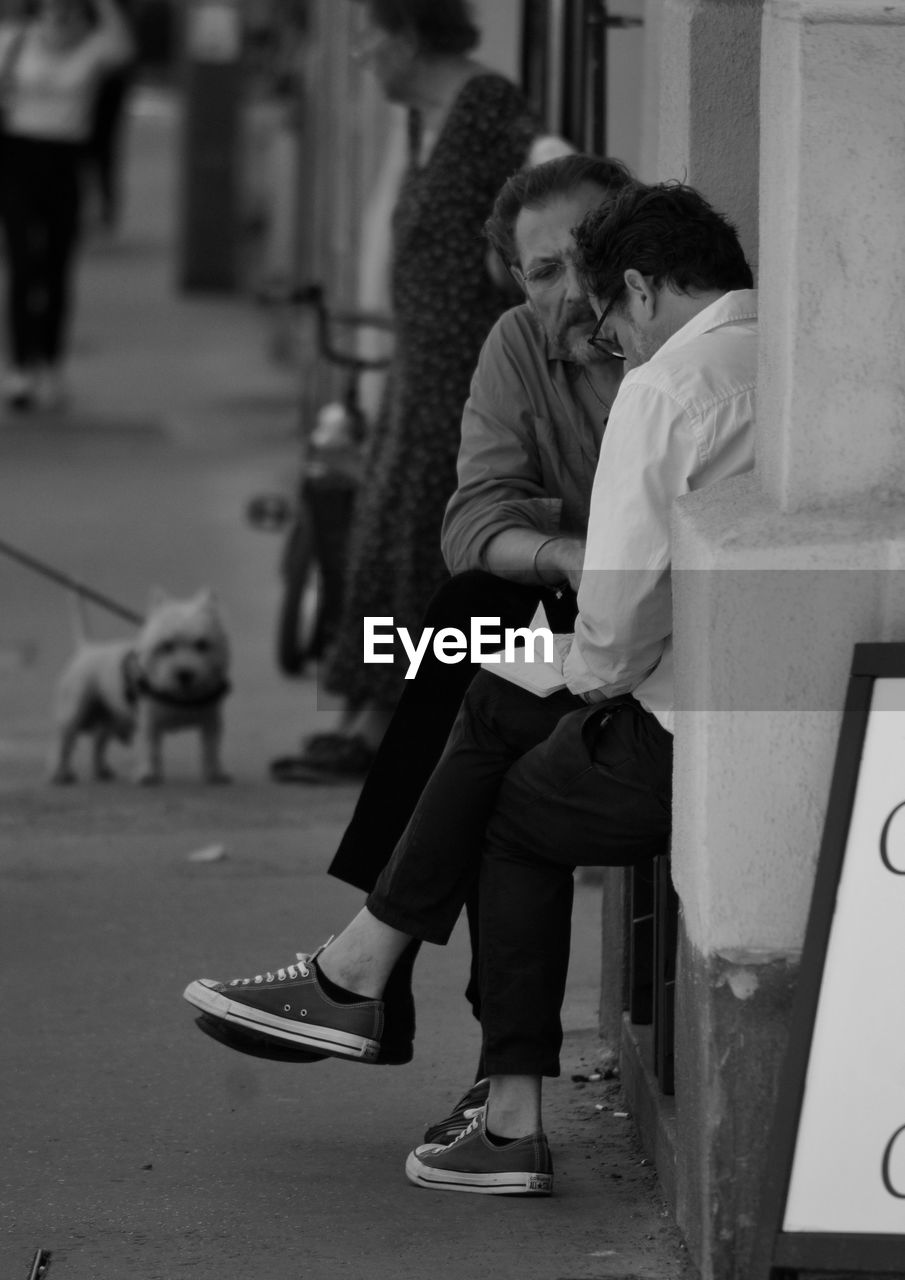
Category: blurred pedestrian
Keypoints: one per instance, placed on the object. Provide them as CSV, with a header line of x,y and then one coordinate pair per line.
x,y
50,68
469,129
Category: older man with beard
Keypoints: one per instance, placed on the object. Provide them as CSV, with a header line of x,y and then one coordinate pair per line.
x,y
513,535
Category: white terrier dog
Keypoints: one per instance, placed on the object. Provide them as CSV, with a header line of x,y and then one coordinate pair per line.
x,y
172,676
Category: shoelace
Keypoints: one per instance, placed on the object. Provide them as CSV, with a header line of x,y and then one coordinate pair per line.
x,y
457,1123
291,973
470,1129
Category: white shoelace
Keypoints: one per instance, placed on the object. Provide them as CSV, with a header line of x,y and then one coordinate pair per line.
x,y
291,973
475,1123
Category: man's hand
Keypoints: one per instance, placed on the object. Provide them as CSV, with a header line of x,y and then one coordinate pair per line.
x,y
561,560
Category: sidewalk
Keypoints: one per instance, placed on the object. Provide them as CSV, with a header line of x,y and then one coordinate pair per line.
x,y
132,1145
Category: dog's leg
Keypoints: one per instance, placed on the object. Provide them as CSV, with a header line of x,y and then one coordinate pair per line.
x,y
149,746
61,770
102,770
211,729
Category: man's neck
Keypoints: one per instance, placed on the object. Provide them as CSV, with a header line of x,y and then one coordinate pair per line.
x,y
675,310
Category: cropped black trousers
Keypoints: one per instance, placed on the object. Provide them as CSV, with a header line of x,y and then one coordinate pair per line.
x,y
527,789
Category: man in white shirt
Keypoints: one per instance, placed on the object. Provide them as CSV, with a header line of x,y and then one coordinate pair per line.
x,y
529,788
682,420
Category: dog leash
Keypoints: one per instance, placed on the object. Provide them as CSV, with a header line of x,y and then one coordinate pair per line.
x,y
64,580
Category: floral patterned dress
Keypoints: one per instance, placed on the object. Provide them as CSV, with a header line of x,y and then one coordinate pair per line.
x,y
444,305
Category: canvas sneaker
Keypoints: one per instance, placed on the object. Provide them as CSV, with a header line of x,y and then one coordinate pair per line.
x,y
289,1005
469,1105
472,1163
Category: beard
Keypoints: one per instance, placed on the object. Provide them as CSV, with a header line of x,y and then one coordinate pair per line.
x,y
567,333
641,346
570,338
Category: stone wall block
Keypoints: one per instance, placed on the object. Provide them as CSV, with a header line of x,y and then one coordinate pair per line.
x,y
768,610
732,1025
832,379
710,73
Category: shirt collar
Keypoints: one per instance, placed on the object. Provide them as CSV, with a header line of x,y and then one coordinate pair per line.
x,y
732,307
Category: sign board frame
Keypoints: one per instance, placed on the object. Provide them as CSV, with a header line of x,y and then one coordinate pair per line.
x,y
779,1252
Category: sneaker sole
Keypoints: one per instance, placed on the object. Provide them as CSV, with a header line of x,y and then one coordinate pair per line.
x,y
325,1040
253,1043
258,1045
487,1184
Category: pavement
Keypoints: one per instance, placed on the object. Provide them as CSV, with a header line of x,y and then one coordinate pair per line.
x,y
132,1145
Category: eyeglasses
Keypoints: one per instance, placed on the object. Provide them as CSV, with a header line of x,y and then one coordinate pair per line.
x,y
541,278
602,344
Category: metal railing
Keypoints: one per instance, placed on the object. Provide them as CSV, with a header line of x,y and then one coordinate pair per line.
x,y
652,919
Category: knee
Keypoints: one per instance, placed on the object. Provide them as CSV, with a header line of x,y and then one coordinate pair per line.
x,y
480,706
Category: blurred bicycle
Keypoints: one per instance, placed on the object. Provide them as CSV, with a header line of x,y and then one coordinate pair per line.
x,y
316,523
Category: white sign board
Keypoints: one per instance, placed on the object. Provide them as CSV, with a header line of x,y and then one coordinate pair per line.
x,y
848,1170
833,1192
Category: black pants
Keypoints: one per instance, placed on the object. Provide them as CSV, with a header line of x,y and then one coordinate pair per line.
x,y
527,789
417,734
40,203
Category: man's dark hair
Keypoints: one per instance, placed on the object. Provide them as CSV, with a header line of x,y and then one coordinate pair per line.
x,y
438,26
667,231
535,188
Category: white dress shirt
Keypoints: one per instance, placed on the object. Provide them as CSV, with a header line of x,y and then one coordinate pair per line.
x,y
681,421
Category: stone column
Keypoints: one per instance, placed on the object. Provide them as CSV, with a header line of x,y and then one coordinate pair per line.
x,y
708,126
705,58
778,575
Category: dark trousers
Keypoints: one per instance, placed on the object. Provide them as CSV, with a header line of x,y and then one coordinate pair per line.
x,y
40,201
527,789
415,740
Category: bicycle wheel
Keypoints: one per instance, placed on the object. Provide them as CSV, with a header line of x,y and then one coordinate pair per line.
x,y
299,612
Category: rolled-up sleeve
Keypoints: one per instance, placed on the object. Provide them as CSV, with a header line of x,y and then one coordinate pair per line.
x,y
499,469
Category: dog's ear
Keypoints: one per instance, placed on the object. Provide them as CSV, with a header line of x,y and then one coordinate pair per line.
x,y
157,597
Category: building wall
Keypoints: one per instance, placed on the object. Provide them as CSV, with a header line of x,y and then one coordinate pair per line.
x,y
779,573
708,104
627,84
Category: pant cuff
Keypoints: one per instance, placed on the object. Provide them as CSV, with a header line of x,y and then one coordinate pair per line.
x,y
525,1065
386,914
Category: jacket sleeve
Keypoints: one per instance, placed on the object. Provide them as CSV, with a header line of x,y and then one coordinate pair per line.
x,y
500,481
